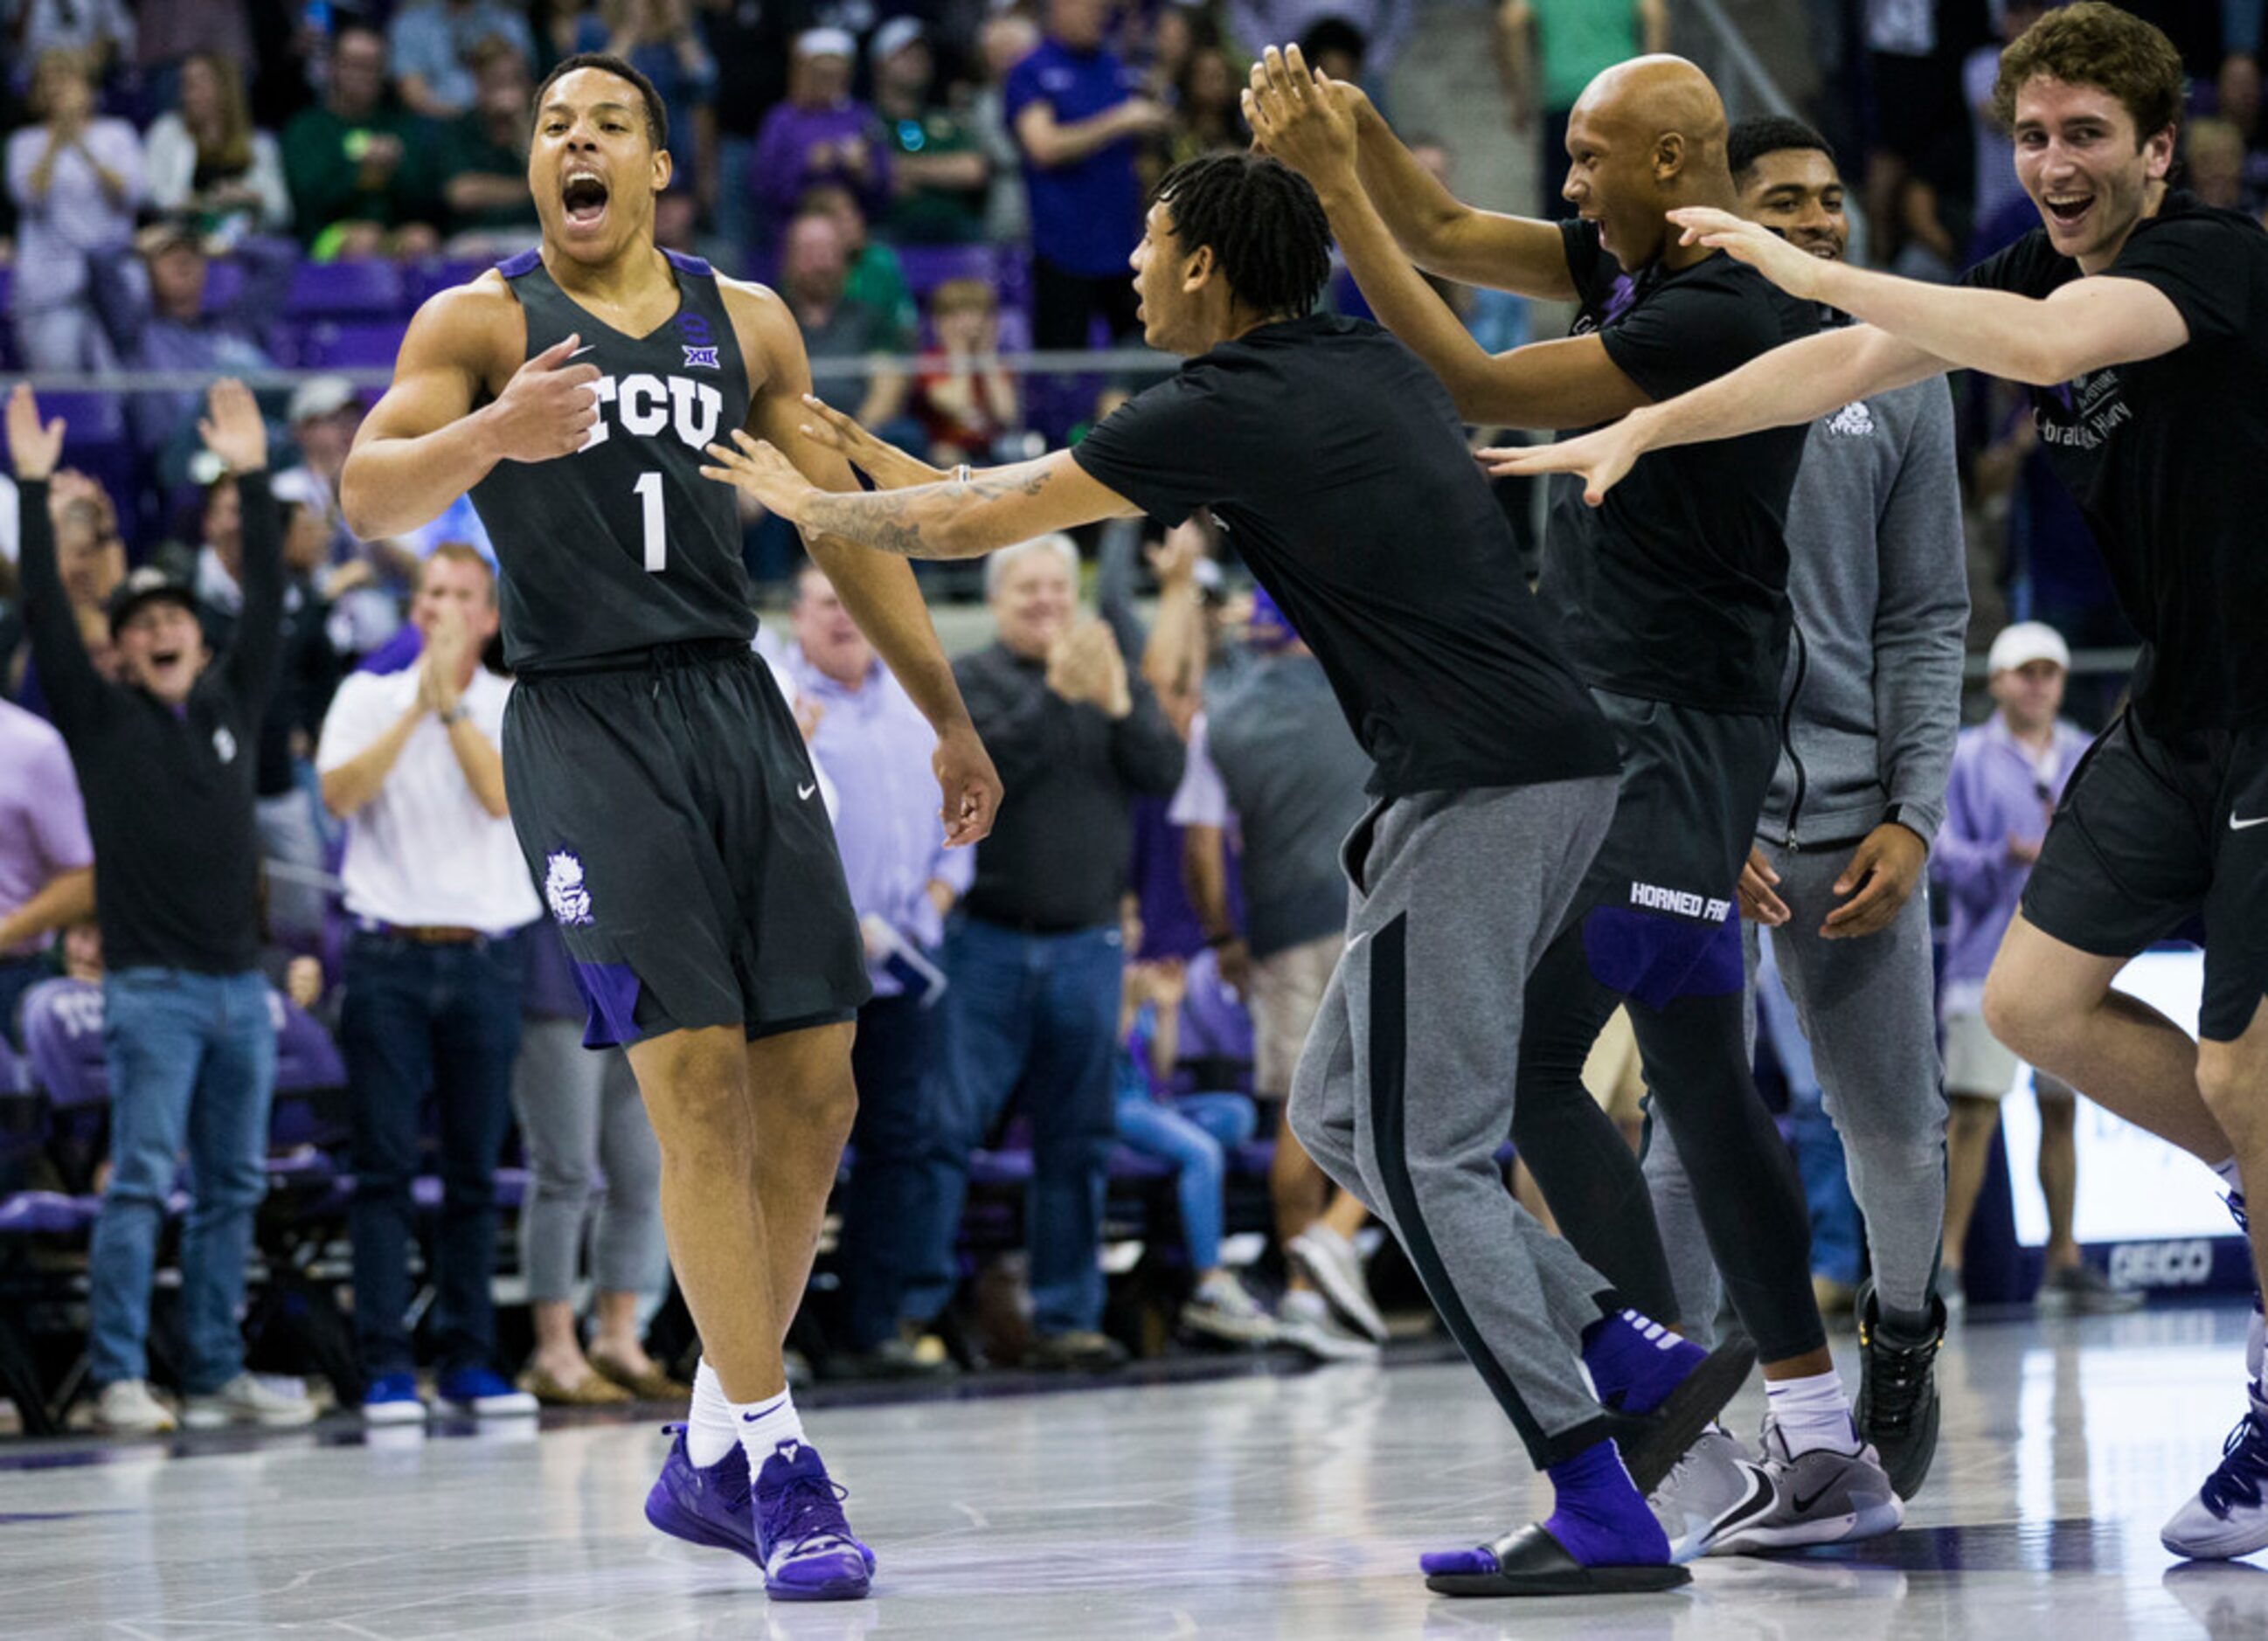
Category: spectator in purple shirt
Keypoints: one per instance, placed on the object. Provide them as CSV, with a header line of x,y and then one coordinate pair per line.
x,y
821,134
875,745
1076,112
154,312
47,863
75,179
2009,774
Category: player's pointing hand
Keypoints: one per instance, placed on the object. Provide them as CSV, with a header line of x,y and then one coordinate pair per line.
x,y
759,469
1796,272
1600,458
890,467
548,408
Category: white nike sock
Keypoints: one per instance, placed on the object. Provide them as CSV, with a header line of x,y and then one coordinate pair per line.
x,y
711,1430
1811,1412
764,1425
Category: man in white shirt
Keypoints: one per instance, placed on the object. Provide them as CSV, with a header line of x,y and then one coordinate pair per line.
x,y
440,897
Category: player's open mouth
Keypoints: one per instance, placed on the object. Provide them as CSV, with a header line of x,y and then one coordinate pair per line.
x,y
584,195
2068,208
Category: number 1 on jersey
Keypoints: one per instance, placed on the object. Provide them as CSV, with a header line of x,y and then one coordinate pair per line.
x,y
648,489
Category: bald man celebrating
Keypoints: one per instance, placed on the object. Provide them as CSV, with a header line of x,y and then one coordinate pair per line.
x,y
1672,601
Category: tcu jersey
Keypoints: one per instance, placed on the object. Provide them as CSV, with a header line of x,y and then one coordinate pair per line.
x,y
623,545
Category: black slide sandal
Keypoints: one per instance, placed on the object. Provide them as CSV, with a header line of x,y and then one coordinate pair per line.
x,y
1531,1562
1653,1443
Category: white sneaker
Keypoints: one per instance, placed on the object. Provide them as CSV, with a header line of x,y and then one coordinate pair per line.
x,y
1713,1491
1328,1259
249,1399
1306,1319
126,1408
1222,1309
1819,1497
2228,1517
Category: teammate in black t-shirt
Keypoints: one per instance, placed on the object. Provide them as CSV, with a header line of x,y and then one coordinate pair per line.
x,y
1336,462
659,786
2140,319
1674,607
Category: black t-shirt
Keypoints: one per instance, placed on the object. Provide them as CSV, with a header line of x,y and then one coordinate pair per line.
x,y
1336,462
1676,589
2168,459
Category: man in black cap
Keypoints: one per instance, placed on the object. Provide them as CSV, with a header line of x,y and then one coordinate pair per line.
x,y
166,761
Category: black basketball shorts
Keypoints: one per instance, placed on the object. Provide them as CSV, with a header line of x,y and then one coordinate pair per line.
x,y
671,818
2152,835
1659,907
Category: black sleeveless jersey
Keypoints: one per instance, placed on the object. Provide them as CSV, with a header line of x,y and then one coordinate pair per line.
x,y
623,545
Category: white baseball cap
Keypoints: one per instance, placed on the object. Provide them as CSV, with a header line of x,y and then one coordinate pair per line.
x,y
825,42
894,36
2026,642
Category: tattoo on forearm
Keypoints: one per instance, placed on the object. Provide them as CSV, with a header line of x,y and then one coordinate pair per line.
x,y
910,522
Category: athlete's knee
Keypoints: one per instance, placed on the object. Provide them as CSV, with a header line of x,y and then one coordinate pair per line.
x,y
2018,1012
695,1092
2233,1079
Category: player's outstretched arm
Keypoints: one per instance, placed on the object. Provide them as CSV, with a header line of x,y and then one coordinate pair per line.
x,y
955,518
2084,326
1300,119
881,595
1790,385
423,445
1439,231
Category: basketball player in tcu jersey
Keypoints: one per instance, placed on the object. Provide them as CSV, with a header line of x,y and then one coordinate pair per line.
x,y
658,785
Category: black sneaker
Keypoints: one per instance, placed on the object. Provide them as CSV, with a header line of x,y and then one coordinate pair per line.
x,y
1897,1394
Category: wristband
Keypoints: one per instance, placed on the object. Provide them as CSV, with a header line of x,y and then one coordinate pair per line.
x,y
961,474
455,715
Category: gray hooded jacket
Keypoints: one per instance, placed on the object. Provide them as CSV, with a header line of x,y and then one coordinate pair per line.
x,y
1878,577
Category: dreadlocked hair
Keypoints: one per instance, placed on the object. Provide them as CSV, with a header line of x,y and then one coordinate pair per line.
x,y
1263,221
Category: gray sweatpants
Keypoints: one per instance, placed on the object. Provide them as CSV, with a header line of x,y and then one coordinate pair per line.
x,y
1866,1009
1404,1091
587,1140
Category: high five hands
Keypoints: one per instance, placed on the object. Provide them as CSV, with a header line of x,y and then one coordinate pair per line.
x,y
1303,117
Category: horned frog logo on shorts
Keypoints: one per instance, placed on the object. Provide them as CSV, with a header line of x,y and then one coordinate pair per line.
x,y
563,887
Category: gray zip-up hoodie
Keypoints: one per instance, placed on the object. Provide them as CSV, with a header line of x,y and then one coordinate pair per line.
x,y
1871,704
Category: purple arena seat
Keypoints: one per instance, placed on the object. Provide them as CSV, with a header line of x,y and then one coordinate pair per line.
x,y
47,1213
341,345
335,290
423,279
929,266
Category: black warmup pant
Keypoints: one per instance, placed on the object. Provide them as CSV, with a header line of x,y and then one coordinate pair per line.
x,y
1063,306
1654,929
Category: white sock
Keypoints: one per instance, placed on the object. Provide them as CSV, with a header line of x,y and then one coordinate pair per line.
x,y
711,1430
1811,1412
2228,1175
764,1425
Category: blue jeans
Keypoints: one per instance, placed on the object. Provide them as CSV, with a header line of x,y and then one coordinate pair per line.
x,y
1037,1014
1818,1147
447,1017
192,1061
1193,1133
887,1213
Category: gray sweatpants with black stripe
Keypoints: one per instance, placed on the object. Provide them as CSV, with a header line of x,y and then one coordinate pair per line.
x,y
1404,1092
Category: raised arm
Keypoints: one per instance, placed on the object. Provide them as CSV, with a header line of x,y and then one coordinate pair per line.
x,y
1550,385
2083,325
73,689
1441,233
1050,143
423,445
234,432
881,595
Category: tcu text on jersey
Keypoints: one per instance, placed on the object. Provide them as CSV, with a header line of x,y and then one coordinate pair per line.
x,y
644,403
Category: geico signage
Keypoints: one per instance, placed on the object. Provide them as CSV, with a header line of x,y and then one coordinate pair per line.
x,y
2183,1264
